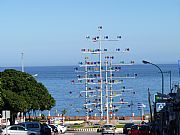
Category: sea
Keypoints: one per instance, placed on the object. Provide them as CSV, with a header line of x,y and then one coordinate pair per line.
x,y
58,81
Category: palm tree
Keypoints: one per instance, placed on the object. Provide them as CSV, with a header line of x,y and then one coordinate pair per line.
x,y
64,111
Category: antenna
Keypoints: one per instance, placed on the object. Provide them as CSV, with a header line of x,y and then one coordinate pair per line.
x,y
179,66
22,61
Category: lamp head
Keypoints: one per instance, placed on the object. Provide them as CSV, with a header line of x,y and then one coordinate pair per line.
x,y
146,62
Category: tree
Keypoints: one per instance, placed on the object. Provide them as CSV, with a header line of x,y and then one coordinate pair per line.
x,y
1,100
20,92
64,111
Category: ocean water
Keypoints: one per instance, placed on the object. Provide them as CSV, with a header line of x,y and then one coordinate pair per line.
x,y
58,79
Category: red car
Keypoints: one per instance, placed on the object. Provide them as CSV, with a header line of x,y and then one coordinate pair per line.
x,y
134,130
127,127
144,130
140,130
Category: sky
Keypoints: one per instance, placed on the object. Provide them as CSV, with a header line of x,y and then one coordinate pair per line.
x,y
52,32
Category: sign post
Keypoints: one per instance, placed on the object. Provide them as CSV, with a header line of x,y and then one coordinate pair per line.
x,y
6,115
160,102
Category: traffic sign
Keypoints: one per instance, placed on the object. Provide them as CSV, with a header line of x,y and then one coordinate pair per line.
x,y
5,114
159,106
161,98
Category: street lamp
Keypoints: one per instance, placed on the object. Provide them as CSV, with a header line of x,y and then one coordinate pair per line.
x,y
146,62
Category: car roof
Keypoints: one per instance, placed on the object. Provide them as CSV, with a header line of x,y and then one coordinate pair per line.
x,y
108,124
16,125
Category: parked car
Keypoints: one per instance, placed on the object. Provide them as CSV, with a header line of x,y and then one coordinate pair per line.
x,y
61,128
127,127
108,129
140,130
32,126
134,130
1,131
17,130
144,130
54,129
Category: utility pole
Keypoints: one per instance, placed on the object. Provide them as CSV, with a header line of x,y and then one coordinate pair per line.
x,y
179,66
22,69
22,61
150,107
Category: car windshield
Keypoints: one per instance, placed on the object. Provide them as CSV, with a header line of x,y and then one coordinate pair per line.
x,y
135,127
108,126
128,125
52,126
143,127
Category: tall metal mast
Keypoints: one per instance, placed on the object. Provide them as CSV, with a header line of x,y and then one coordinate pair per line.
x,y
86,88
22,61
106,83
100,69
99,93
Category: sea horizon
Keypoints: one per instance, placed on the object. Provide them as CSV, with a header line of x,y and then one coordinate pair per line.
x,y
75,65
57,79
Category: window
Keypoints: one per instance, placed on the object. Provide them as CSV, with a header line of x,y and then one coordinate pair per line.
x,y
35,125
135,127
21,128
23,125
13,128
29,126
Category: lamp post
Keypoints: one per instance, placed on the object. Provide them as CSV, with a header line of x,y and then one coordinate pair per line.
x,y
146,62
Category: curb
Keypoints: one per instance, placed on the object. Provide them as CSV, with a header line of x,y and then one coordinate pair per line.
x,y
118,130
84,129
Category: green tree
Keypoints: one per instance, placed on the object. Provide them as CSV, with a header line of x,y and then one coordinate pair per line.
x,y
1,100
64,111
20,92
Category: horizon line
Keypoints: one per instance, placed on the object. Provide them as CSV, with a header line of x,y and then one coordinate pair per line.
x,y
74,65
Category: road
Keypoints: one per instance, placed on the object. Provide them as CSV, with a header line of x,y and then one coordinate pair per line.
x,y
88,133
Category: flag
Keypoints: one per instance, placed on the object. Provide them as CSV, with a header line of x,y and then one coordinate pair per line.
x,y
100,27
143,105
87,37
118,36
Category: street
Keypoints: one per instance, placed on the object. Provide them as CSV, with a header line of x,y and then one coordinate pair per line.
x,y
88,133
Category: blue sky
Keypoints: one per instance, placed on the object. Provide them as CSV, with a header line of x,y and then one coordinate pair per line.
x,y
53,32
